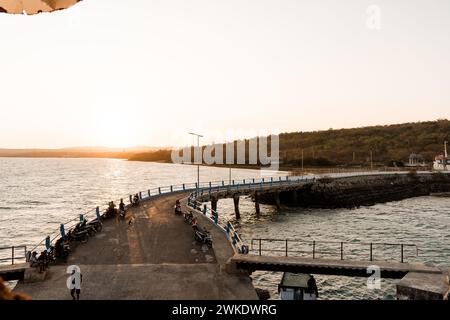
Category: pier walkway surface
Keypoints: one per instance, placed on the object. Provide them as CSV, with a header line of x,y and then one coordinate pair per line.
x,y
154,257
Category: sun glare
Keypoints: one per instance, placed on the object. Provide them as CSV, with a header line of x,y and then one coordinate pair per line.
x,y
114,129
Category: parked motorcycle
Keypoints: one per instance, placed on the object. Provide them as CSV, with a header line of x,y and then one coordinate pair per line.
x,y
78,236
203,237
90,228
96,224
188,217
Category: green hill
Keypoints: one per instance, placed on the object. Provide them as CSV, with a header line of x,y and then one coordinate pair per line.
x,y
352,147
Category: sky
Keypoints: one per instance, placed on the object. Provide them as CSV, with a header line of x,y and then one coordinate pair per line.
x,y
145,73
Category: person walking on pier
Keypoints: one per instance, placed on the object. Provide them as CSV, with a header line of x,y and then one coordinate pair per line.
x,y
76,285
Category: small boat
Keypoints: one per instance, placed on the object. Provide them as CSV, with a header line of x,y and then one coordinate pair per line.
x,y
298,286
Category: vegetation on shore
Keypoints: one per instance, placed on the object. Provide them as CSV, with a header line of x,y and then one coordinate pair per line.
x,y
388,144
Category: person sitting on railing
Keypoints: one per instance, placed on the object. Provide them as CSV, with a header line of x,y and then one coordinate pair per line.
x,y
35,262
136,199
62,248
122,205
44,260
112,206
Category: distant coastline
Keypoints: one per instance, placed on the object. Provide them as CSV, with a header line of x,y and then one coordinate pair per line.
x,y
375,146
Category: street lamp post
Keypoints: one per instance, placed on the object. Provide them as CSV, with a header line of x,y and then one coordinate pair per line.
x,y
198,164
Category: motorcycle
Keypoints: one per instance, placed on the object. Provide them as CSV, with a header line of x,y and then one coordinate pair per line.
x,y
96,224
79,236
203,237
122,214
91,229
178,209
188,217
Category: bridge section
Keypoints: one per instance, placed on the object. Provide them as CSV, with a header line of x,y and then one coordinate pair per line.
x,y
393,270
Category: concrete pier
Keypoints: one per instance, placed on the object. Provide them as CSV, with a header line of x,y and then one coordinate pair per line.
x,y
419,286
153,257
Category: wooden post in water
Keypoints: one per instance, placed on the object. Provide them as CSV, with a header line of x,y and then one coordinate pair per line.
x,y
236,206
277,199
294,198
214,201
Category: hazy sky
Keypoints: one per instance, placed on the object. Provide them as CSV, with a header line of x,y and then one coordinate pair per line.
x,y
144,72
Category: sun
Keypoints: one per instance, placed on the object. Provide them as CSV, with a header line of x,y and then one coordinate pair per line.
x,y
114,129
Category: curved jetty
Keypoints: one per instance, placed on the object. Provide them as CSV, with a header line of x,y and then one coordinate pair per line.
x,y
154,257
152,254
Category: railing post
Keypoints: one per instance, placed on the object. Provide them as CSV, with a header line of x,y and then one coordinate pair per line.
x,y
196,186
204,209
371,256
131,198
233,182
286,247
342,250
210,184
260,246
314,249
140,195
149,193
171,188
184,186
12,254
223,183
402,251
159,190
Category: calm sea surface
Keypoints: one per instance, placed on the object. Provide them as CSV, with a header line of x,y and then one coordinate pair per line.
x,y
36,195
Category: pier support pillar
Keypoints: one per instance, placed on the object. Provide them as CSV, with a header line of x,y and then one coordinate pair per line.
x,y
214,201
294,197
257,204
236,206
277,199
